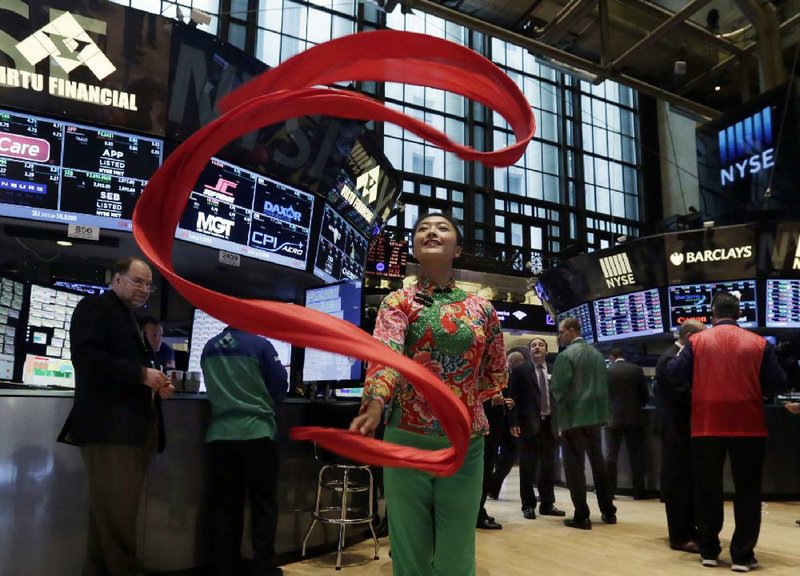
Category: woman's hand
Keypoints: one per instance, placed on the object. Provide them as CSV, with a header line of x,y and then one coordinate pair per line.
x,y
793,407
368,422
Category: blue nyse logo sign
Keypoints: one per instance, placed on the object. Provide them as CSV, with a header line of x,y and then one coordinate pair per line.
x,y
746,148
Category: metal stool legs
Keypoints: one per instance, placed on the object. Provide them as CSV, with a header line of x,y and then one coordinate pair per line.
x,y
344,514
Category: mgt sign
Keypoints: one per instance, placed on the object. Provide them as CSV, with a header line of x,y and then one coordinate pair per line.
x,y
745,148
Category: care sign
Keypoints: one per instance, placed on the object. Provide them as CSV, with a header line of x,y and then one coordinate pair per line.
x,y
62,55
83,232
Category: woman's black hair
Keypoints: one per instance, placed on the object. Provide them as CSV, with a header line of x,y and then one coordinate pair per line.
x,y
446,216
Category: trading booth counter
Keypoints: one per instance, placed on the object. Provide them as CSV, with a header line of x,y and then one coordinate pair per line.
x,y
43,491
781,464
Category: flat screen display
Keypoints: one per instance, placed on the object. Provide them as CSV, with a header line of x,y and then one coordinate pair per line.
x,y
63,172
341,251
349,393
205,327
234,209
783,303
517,317
584,316
48,360
629,315
693,302
82,287
387,257
343,301
11,299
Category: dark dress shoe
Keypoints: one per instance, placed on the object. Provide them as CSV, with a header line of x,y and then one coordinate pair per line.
x,y
609,518
691,547
551,511
489,524
529,513
584,524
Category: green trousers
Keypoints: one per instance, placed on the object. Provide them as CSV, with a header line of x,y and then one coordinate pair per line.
x,y
432,519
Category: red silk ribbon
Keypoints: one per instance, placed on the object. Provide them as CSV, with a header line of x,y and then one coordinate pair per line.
x,y
291,90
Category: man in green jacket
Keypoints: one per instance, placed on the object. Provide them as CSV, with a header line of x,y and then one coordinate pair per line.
x,y
579,383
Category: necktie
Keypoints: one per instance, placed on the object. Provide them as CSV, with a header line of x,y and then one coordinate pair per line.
x,y
544,391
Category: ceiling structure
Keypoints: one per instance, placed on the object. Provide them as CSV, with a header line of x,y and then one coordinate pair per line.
x,y
704,56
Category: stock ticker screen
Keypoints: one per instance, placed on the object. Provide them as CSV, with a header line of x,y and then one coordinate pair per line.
x,y
783,303
584,316
341,251
387,257
234,209
63,172
693,302
629,315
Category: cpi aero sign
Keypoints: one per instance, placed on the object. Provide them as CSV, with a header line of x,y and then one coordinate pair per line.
x,y
746,148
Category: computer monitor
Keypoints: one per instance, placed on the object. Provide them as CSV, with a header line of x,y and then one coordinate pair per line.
x,y
11,304
584,316
344,301
783,303
693,302
205,327
46,348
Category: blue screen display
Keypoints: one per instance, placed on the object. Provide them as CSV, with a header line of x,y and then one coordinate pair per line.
x,y
342,301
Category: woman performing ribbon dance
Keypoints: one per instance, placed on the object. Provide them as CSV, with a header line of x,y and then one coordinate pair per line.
x,y
457,337
298,87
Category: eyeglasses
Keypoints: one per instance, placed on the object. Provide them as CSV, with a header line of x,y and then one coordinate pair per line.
x,y
141,284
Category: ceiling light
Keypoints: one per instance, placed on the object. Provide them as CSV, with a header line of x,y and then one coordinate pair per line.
x,y
63,242
717,88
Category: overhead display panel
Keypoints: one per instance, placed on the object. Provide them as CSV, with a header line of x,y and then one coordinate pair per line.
x,y
96,62
724,253
387,257
634,265
72,173
747,159
583,315
693,302
780,251
234,209
783,303
629,315
341,251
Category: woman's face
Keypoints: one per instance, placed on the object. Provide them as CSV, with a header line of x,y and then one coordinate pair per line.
x,y
435,240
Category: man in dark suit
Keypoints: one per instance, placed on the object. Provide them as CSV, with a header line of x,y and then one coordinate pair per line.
x,y
115,418
674,411
495,409
627,396
533,420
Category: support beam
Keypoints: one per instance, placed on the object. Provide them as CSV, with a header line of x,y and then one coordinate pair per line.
x,y
689,27
573,11
542,49
771,69
660,31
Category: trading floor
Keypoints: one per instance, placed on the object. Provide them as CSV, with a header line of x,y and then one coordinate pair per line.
x,y
636,545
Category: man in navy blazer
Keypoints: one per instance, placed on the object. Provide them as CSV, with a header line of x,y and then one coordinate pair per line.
x,y
116,417
532,420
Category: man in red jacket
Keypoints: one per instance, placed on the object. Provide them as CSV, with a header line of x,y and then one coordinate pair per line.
x,y
730,369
